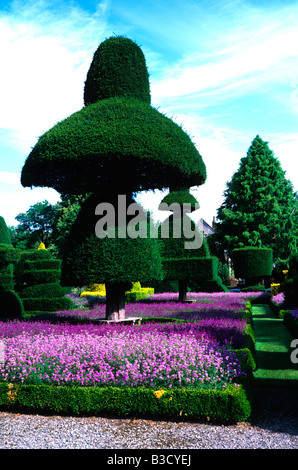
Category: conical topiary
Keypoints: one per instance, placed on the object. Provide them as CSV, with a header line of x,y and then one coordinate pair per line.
x,y
116,261
10,304
185,253
4,232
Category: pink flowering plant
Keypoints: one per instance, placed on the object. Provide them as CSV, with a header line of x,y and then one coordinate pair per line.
x,y
197,353
125,356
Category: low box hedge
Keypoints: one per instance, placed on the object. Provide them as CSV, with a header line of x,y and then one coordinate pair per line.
x,y
190,268
230,405
47,304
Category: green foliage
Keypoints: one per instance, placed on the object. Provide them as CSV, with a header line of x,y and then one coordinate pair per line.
x,y
8,254
259,205
291,323
67,210
38,275
4,232
96,146
230,405
6,277
257,288
10,305
36,304
35,226
89,259
180,196
49,290
252,262
137,292
118,68
186,264
190,268
223,273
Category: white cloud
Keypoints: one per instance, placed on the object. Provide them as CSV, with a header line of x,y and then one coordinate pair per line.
x,y
9,177
45,53
263,48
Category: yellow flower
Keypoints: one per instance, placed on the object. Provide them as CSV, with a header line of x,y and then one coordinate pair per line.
x,y
159,393
42,246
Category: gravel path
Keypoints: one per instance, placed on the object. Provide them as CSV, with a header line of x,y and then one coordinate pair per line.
x,y
273,425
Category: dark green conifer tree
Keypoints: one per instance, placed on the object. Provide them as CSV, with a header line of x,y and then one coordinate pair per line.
x,y
259,206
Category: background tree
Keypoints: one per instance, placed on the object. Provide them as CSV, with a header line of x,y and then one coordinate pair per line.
x,y
259,206
118,144
35,226
67,210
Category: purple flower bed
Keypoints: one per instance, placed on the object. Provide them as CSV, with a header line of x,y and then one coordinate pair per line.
x,y
153,355
278,298
167,305
197,353
294,313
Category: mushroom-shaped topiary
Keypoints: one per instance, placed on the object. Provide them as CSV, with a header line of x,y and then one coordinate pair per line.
x,y
118,144
118,138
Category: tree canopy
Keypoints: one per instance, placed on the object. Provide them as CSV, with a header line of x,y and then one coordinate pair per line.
x,y
35,226
259,205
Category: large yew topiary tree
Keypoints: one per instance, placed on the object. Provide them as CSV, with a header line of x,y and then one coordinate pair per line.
x,y
118,144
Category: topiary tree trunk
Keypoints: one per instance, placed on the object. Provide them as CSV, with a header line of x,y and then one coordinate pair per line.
x,y
115,303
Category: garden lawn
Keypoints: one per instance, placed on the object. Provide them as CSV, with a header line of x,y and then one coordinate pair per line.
x,y
273,350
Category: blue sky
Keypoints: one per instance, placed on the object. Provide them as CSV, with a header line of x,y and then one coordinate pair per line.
x,y
224,70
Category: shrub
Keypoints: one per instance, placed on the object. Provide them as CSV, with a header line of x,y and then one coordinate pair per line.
x,y
11,306
6,277
4,232
138,293
46,304
50,291
89,259
252,263
257,288
94,289
38,275
224,406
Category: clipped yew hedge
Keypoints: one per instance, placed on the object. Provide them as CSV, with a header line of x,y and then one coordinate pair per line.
x,y
230,405
252,262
